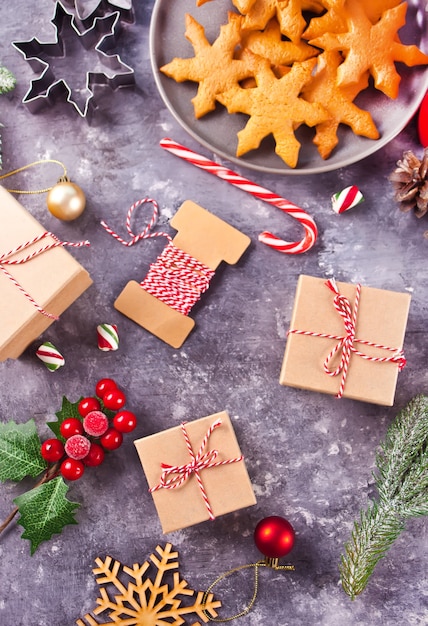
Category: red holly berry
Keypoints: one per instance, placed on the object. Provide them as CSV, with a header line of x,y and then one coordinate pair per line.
x,y
104,385
52,450
86,405
95,455
125,421
72,469
112,439
77,447
114,399
95,423
71,426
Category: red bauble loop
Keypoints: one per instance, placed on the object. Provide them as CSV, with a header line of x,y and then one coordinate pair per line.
x,y
274,536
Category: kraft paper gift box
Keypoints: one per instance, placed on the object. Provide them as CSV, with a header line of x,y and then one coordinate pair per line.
x,y
381,319
53,279
225,488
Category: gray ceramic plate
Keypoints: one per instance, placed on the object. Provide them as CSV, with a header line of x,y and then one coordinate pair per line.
x,y
217,131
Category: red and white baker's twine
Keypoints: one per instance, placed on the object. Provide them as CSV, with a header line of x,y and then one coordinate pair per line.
x,y
6,260
173,476
255,190
346,343
176,277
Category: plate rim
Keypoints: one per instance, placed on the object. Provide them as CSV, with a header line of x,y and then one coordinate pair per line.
x,y
372,147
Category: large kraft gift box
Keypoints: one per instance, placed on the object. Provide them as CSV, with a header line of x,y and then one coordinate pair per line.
x,y
381,319
227,487
53,279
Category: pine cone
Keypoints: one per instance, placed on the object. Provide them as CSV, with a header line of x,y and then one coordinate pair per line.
x,y
410,183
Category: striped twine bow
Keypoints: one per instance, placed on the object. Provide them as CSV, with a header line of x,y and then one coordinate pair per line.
x,y
145,234
173,476
346,343
6,260
176,277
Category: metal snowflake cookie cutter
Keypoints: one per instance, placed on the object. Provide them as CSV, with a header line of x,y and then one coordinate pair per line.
x,y
87,10
99,40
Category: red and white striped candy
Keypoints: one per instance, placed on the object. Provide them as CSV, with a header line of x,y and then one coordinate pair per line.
x,y
346,199
287,247
50,356
108,338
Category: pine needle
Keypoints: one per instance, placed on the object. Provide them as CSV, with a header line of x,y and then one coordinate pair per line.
x,y
7,80
402,485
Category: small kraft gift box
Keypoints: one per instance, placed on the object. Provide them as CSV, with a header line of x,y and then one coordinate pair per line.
x,y
39,279
195,471
346,340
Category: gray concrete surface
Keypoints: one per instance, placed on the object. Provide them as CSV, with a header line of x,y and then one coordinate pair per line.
x,y
310,457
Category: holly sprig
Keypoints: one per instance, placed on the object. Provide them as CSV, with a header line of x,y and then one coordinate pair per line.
x,y
402,486
45,509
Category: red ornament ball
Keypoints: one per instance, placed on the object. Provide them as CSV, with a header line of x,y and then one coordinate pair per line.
x,y
423,122
274,536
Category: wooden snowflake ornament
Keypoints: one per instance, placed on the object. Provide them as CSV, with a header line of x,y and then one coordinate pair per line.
x,y
145,600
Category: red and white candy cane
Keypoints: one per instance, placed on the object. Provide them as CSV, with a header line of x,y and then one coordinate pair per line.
x,y
266,237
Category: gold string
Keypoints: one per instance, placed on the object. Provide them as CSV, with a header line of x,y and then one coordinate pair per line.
x,y
26,167
272,563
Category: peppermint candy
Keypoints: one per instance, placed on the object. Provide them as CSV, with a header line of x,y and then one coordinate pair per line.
x,y
50,356
346,199
108,339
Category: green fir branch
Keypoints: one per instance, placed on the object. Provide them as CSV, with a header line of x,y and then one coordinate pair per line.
x,y
404,450
7,83
402,485
7,80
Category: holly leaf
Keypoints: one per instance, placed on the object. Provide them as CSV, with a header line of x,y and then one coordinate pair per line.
x,y
20,451
68,409
45,511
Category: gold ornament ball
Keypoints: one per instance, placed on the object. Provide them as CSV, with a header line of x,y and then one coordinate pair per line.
x,y
66,201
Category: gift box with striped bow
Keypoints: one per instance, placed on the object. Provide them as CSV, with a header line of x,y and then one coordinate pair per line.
x,y
39,279
195,472
346,340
